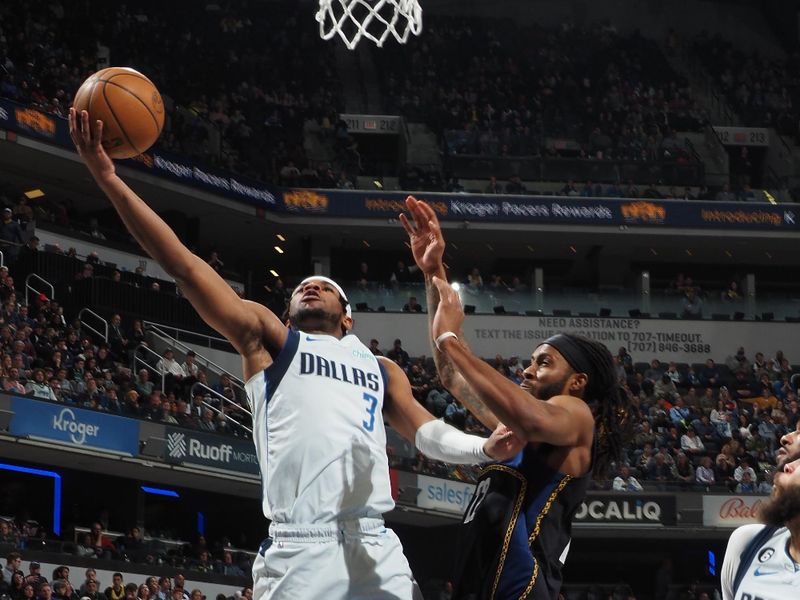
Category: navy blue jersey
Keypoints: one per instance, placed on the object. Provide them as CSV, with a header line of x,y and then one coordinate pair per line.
x,y
517,529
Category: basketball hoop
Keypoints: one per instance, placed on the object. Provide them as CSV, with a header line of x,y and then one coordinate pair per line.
x,y
374,20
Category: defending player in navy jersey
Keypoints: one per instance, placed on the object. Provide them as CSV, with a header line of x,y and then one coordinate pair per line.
x,y
762,562
569,411
318,398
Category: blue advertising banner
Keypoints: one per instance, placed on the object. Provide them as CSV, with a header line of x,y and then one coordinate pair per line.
x,y
29,121
85,428
550,210
220,182
221,452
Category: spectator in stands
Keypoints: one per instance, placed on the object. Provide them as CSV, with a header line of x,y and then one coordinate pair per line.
x,y
691,443
228,567
738,362
659,471
625,482
493,187
704,475
12,383
89,590
152,586
683,471
164,588
207,420
39,387
13,564
60,590
45,591
117,338
691,305
102,544
666,387
398,355
725,194
515,186
747,484
189,366
679,414
10,235
132,546
709,375
203,563
7,536
374,347
116,591
143,385
412,305
655,371
744,467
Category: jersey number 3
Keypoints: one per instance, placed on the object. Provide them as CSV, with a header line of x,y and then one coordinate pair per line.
x,y
372,404
477,499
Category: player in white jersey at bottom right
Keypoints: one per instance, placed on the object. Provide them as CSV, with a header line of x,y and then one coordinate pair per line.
x,y
762,561
318,397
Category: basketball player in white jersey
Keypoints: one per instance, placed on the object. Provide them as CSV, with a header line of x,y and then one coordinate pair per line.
x,y
318,398
762,562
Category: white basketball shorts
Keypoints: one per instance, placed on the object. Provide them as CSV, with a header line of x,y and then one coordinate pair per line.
x,y
352,560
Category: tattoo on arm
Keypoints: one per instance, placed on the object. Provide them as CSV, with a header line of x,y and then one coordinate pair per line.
x,y
448,375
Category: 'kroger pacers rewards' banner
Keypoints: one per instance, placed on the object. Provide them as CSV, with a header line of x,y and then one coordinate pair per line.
x,y
460,207
218,451
548,210
75,426
678,340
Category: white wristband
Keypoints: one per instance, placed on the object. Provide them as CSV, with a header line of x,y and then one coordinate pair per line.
x,y
443,337
440,441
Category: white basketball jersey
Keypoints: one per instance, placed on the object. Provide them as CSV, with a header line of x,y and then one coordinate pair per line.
x,y
772,574
318,431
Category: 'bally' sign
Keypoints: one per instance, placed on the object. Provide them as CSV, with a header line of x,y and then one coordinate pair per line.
x,y
731,511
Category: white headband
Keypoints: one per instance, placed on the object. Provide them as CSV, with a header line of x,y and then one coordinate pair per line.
x,y
347,310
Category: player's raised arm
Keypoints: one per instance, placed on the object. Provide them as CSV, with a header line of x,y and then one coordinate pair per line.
x,y
561,421
427,246
247,325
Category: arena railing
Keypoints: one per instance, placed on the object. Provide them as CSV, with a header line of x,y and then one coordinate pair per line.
x,y
588,302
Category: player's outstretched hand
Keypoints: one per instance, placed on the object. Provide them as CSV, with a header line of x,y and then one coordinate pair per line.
x,y
449,314
87,138
424,235
503,444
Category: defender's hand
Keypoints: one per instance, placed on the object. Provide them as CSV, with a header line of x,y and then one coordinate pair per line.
x,y
503,444
424,235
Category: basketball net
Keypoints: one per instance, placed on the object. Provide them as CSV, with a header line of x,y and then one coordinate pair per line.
x,y
374,20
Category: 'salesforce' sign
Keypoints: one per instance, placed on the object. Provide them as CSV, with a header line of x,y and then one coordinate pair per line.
x,y
444,494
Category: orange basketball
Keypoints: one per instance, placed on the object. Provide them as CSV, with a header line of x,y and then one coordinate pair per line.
x,y
129,106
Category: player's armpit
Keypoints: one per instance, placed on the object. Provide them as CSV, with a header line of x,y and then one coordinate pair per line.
x,y
247,325
401,409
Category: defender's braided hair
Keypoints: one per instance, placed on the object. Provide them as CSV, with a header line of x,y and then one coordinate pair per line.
x,y
610,404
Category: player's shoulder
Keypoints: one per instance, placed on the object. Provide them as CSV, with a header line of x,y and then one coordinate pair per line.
x,y
743,535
